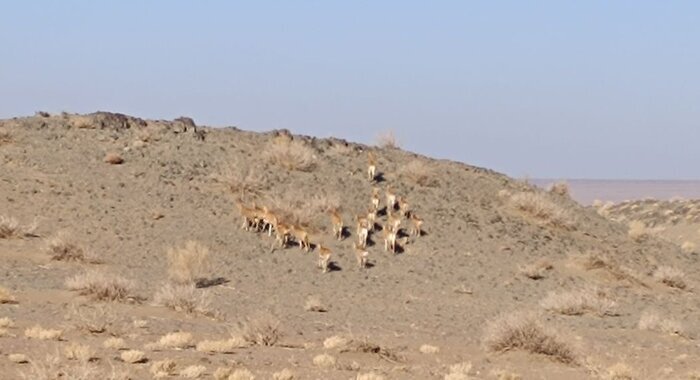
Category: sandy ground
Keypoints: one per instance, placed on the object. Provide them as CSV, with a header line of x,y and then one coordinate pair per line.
x,y
443,289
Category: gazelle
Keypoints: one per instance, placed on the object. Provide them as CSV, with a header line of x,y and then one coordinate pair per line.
x,y
390,199
362,231
324,257
337,222
249,215
375,198
389,240
282,233
371,166
301,236
394,223
361,255
371,219
404,207
269,220
416,225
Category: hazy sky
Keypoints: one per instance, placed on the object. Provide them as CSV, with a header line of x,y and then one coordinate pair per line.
x,y
586,89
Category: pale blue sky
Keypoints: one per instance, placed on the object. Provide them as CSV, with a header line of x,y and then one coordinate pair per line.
x,y
560,89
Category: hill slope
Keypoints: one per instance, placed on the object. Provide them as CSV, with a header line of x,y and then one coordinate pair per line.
x,y
483,230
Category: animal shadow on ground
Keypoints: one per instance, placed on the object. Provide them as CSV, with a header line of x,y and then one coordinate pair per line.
x,y
333,267
379,178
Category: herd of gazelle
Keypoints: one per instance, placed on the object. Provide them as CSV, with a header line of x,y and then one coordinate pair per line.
x,y
397,208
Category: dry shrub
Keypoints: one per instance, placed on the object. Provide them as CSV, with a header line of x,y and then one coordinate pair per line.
x,y
638,231
595,260
193,371
262,330
525,331
670,276
560,188
619,371
93,319
188,264
5,137
579,302
387,139
240,179
369,376
222,373
6,322
653,321
185,298
291,154
76,351
335,341
428,349
688,247
241,374
176,340
163,368
284,374
133,356
536,270
113,158
502,374
18,358
114,343
313,303
4,332
459,371
325,361
11,228
6,296
38,332
538,206
221,346
62,248
420,173
102,286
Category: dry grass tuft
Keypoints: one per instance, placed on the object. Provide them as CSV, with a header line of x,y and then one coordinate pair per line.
x,y
525,331
638,231
10,228
6,296
263,330
368,347
38,332
102,286
579,302
133,356
538,206
325,361
163,368
241,374
5,137
653,321
369,376
560,188
18,358
240,179
6,322
76,351
428,349
313,303
113,158
94,320
291,154
420,173
536,270
459,371
387,139
185,298
221,346
284,374
188,264
335,341
595,260
114,343
502,374
619,371
175,341
62,248
688,247
670,276
193,371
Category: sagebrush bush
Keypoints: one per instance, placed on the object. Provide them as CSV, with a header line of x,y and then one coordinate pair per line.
x,y
188,264
538,206
101,286
185,298
291,154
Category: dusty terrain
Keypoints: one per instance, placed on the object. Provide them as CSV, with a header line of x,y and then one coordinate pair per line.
x,y
114,194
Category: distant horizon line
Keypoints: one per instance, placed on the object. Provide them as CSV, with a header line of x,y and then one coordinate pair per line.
x,y
609,179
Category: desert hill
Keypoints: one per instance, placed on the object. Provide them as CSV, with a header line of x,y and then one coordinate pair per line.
x,y
109,196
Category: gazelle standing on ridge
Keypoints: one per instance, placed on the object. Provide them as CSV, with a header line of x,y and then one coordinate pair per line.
x,y
362,231
324,257
416,225
390,199
301,236
389,239
337,222
375,198
371,166
361,255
